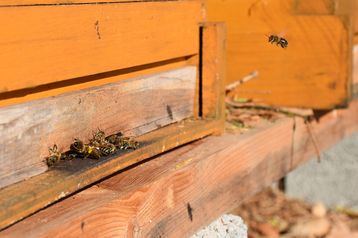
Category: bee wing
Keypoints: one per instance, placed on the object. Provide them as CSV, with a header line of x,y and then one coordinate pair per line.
x,y
282,34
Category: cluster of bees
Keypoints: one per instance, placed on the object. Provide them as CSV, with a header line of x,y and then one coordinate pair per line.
x,y
278,40
99,146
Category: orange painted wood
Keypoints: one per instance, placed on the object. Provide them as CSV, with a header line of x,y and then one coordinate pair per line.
x,y
47,44
54,89
213,70
213,175
313,71
133,106
355,15
315,7
24,198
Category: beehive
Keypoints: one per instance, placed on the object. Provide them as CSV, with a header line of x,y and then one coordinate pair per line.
x,y
149,69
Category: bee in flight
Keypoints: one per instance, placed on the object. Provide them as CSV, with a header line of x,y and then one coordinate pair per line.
x,y
278,40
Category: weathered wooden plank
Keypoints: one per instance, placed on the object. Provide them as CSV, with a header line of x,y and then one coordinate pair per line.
x,y
134,106
213,175
213,70
312,72
24,198
49,44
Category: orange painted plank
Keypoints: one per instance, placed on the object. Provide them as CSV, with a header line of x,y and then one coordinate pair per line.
x,y
312,72
213,175
45,91
48,44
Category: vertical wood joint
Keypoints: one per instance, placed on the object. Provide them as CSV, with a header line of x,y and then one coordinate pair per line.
x,y
212,73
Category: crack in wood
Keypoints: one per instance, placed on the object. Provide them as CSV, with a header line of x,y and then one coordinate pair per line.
x,y
81,3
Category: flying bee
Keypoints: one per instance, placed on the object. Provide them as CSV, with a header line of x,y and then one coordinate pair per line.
x,y
85,150
278,40
55,156
273,38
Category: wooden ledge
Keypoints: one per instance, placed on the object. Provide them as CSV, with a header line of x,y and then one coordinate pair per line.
x,y
208,177
67,177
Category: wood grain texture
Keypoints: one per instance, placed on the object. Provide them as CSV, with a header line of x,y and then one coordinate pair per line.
x,y
24,198
214,175
48,44
312,72
134,106
213,70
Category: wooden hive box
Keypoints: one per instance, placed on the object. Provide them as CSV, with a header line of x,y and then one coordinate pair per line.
x,y
314,71
149,69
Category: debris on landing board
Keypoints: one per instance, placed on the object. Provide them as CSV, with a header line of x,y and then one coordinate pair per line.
x,y
271,214
243,114
99,146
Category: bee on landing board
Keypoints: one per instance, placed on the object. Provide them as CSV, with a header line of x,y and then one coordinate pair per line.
x,y
85,150
278,40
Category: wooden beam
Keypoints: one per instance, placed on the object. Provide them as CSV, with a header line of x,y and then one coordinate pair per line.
x,y
48,44
212,176
134,106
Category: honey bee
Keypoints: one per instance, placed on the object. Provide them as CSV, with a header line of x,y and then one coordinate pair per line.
x,y
68,155
107,148
84,150
114,139
278,40
98,137
55,156
128,143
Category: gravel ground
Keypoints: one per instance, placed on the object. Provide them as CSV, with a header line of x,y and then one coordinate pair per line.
x,y
333,181
226,226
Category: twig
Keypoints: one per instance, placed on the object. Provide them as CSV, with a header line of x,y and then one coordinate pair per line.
x,y
314,140
248,77
286,111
